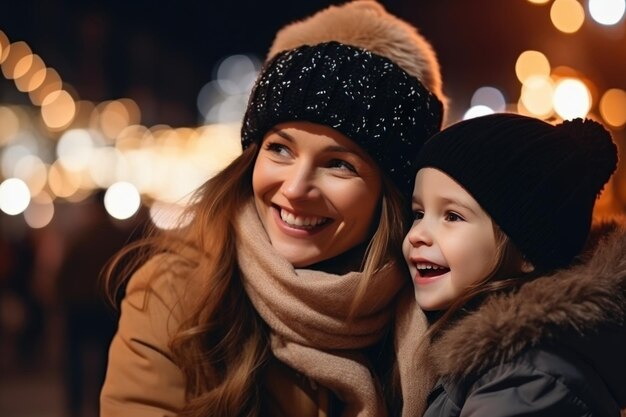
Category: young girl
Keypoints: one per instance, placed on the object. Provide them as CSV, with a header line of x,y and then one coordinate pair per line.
x,y
278,298
523,323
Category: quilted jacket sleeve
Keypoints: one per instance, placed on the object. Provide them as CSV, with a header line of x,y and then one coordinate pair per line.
x,y
540,383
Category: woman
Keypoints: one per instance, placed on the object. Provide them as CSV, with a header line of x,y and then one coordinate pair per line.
x,y
277,298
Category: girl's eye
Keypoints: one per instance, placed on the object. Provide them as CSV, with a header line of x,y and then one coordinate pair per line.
x,y
340,164
277,148
418,214
453,217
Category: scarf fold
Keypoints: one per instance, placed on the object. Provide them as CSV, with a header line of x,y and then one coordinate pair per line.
x,y
306,311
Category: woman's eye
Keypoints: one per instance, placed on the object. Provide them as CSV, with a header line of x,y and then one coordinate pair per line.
x,y
418,215
338,163
454,217
277,148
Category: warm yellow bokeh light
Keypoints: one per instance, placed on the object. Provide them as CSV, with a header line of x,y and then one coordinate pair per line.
x,y
63,183
114,118
32,170
613,107
16,51
536,96
607,12
531,63
567,15
9,125
538,1
51,82
40,211
32,77
4,46
571,99
58,110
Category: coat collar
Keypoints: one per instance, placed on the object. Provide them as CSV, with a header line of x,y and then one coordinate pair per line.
x,y
577,300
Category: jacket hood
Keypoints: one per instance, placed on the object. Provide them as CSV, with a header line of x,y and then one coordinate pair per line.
x,y
583,306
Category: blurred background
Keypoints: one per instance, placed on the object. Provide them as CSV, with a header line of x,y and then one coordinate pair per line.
x,y
111,113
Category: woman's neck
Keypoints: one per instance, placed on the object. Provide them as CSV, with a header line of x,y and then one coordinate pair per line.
x,y
349,261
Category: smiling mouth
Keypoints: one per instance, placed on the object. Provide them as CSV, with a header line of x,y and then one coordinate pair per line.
x,y
301,222
430,270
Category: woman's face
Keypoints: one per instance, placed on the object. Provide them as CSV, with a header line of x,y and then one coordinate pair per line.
x,y
451,244
315,190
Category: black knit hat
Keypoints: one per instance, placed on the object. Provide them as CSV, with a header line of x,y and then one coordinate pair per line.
x,y
538,182
365,96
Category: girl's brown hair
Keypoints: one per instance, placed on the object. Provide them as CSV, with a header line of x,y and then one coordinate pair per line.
x,y
222,344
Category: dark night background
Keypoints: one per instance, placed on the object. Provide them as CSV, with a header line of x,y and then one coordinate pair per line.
x,y
160,54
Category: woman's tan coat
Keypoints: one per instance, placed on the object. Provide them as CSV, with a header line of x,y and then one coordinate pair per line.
x,y
145,382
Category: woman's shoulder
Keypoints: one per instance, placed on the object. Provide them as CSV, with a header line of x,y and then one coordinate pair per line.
x,y
166,277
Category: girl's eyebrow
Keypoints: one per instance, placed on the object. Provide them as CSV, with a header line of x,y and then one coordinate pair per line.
x,y
448,200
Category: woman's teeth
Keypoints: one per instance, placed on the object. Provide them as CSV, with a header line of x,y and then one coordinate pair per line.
x,y
301,222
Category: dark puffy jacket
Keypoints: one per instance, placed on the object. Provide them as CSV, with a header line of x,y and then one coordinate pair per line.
x,y
557,347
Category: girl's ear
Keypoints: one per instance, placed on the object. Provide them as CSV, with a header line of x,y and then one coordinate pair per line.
x,y
527,266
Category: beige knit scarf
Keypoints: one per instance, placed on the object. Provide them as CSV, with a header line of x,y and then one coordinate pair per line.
x,y
306,311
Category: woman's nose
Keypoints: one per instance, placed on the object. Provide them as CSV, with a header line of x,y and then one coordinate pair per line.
x,y
300,183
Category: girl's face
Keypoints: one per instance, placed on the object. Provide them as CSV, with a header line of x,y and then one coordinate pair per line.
x,y
316,192
451,244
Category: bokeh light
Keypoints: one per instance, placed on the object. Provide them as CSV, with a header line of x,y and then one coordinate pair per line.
x,y
477,111
9,124
15,52
613,107
490,97
537,92
531,63
571,98
75,149
58,109
14,196
40,211
607,12
567,15
122,200
33,171
33,76
63,183
538,1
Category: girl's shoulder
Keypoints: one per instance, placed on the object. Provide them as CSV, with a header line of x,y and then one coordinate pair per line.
x,y
578,300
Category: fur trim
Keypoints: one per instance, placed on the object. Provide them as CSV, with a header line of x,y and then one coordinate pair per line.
x,y
580,299
366,24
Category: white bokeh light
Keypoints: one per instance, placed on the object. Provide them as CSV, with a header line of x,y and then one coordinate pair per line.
x,y
490,97
607,12
14,196
75,148
571,99
122,200
477,111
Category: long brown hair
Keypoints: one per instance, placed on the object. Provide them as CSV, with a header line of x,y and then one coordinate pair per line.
x,y
222,344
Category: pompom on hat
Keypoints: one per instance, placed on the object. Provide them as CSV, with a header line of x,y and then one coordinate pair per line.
x,y
359,70
537,181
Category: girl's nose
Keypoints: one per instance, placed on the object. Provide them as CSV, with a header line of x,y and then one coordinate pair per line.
x,y
420,234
